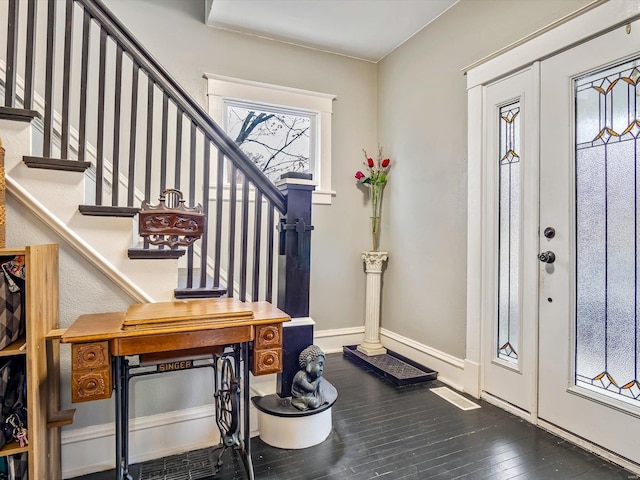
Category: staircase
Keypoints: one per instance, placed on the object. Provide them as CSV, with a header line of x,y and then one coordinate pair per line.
x,y
93,127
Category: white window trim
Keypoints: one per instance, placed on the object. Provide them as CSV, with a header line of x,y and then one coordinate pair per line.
x,y
221,88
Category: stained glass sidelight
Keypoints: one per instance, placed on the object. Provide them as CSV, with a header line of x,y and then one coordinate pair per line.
x,y
607,129
509,234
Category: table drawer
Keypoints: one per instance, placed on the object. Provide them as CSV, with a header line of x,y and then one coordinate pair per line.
x,y
90,371
267,361
267,349
268,336
90,384
90,355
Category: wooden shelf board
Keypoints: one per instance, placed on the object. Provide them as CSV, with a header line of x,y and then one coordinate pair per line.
x,y
12,448
56,334
15,348
5,252
59,419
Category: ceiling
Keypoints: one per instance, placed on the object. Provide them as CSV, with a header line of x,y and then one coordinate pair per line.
x,y
366,29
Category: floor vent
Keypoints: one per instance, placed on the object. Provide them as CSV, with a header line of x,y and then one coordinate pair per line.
x,y
196,465
455,398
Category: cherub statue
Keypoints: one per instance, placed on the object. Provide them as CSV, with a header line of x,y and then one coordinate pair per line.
x,y
305,389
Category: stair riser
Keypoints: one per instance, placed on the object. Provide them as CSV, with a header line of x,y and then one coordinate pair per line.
x,y
60,193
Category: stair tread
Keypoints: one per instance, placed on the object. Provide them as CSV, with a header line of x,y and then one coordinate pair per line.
x,y
108,211
18,114
197,291
56,164
140,253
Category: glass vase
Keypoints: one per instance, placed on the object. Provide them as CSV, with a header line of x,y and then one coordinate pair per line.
x,y
375,233
376,208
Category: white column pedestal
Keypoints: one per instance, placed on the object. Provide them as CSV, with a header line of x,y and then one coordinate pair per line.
x,y
371,344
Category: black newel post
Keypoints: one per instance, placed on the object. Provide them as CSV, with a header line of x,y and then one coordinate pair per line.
x,y
294,257
294,262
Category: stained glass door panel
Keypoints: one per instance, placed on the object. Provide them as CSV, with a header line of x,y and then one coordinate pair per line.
x,y
607,194
589,192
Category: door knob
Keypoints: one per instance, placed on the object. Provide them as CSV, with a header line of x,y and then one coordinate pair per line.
x,y
547,257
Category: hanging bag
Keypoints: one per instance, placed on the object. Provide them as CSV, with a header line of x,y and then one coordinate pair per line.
x,y
12,324
13,408
5,374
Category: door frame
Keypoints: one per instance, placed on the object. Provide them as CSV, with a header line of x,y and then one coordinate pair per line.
x,y
595,19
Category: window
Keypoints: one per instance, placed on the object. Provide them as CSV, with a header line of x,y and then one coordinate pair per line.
x,y
281,129
277,140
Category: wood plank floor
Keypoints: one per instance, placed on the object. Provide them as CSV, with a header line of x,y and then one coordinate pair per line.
x,y
409,433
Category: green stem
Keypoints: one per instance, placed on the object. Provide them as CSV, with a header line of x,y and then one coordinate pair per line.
x,y
376,207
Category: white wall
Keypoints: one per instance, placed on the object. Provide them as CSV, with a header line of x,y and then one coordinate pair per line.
x,y
422,123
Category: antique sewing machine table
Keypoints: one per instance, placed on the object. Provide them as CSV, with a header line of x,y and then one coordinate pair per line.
x,y
238,336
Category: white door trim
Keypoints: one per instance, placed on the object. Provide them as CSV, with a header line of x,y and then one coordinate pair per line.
x,y
590,24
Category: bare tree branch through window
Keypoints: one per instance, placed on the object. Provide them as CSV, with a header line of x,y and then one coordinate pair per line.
x,y
276,142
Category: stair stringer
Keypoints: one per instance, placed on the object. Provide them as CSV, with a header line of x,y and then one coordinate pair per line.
x,y
54,197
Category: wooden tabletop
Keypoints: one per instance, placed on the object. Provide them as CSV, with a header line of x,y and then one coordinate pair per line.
x,y
219,313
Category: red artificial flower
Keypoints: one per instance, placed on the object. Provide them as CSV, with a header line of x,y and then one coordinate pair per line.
x,y
359,175
385,162
370,161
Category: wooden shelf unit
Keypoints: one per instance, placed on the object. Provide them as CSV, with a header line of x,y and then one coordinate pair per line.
x,y
41,315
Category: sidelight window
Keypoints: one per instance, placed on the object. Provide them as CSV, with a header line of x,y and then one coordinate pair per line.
x,y
509,234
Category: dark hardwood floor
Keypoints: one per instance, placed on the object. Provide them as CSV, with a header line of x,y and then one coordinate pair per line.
x,y
410,433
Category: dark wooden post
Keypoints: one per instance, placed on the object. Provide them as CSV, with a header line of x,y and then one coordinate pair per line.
x,y
294,262
294,257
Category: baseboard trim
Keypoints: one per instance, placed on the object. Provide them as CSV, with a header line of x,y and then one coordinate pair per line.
x,y
91,449
332,341
450,369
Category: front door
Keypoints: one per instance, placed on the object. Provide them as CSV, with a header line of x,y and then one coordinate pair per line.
x,y
589,345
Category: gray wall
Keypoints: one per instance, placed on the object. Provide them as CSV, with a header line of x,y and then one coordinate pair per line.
x,y
422,122
83,290
174,32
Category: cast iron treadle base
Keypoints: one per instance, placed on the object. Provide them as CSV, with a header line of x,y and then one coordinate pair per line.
x,y
196,465
394,367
